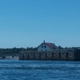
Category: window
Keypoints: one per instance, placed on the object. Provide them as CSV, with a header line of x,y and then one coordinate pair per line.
x,y
42,46
45,46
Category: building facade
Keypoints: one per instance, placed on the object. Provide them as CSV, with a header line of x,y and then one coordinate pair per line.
x,y
45,46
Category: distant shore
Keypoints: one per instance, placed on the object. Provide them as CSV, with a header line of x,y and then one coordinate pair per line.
x,y
9,58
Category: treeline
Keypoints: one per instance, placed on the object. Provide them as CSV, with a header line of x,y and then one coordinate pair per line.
x,y
15,51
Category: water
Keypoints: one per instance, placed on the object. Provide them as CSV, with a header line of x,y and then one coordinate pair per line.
x,y
39,70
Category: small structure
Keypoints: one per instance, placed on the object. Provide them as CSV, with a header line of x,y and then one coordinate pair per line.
x,y
46,46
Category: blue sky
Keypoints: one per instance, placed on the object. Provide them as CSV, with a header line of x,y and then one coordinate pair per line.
x,y
26,23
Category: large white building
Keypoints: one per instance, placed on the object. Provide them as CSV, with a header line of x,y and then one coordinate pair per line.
x,y
46,46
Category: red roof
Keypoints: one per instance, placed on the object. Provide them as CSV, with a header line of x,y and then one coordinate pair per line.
x,y
51,45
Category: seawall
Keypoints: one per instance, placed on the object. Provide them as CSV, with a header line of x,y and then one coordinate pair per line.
x,y
61,54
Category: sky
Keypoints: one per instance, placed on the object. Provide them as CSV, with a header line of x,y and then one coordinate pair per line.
x,y
27,23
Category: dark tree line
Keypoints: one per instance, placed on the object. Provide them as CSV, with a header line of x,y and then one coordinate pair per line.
x,y
14,51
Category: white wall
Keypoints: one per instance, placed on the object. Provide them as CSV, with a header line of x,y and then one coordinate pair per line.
x,y
44,49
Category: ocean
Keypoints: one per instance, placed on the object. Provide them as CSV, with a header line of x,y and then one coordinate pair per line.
x,y
39,70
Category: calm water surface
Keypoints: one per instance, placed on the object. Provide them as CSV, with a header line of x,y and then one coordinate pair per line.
x,y
39,70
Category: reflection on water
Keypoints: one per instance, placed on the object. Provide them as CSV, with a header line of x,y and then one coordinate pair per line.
x,y
39,70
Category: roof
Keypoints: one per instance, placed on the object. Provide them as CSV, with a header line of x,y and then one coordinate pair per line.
x,y
51,45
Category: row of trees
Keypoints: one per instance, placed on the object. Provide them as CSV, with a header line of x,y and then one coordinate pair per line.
x,y
15,51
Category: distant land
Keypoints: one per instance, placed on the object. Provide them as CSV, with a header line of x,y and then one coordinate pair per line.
x,y
15,51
